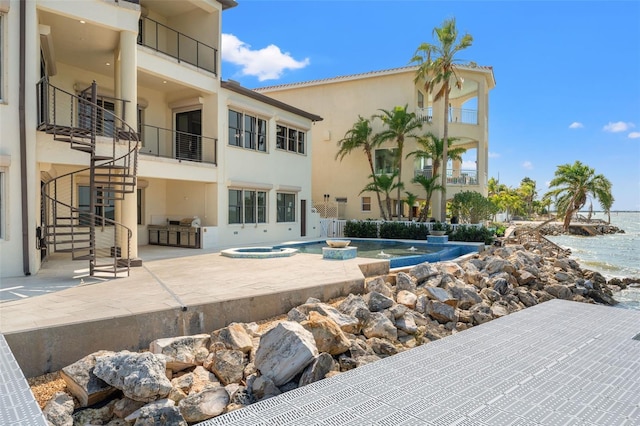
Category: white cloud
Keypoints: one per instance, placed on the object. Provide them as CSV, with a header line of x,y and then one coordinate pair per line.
x,y
267,63
527,165
576,125
468,165
618,126
634,135
494,155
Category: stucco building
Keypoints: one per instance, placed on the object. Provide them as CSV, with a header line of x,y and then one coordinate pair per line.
x,y
341,100
157,145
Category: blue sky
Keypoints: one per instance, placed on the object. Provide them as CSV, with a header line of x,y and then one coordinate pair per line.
x,y
567,73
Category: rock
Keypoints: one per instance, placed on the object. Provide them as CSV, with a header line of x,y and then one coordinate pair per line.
x,y
367,359
421,304
239,395
59,410
441,295
378,302
204,405
262,387
202,378
601,297
406,298
396,311
347,323
405,282
379,286
379,325
296,315
176,395
422,272
502,286
227,365
125,406
562,276
83,383
326,333
382,347
441,312
481,313
451,268
525,277
285,351
139,376
490,294
499,309
162,412
234,337
407,323
355,306
94,416
466,295
526,298
317,369
497,265
180,352
559,291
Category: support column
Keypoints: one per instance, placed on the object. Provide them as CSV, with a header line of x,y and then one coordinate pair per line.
x,y
129,92
483,143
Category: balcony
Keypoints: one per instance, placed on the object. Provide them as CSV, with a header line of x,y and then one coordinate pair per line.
x,y
462,177
159,37
165,143
456,115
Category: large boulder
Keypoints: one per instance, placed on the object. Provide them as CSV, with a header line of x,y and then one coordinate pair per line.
x,y
235,337
317,369
59,410
228,365
328,336
140,376
405,282
377,301
467,295
180,352
406,298
422,272
285,351
379,325
83,383
347,323
379,285
162,412
441,312
204,405
559,291
355,306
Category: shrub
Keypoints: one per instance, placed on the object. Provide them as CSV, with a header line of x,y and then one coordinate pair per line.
x,y
472,234
361,229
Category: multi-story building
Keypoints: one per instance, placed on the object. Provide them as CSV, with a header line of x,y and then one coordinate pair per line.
x,y
99,169
341,100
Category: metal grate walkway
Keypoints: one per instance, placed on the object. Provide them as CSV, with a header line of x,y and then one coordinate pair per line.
x,y
17,404
557,363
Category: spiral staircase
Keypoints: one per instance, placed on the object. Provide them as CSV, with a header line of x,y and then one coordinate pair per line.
x,y
86,225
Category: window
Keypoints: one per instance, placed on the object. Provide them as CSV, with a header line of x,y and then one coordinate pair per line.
x,y
1,56
420,99
107,210
289,139
252,129
2,204
247,206
140,209
385,161
366,204
286,205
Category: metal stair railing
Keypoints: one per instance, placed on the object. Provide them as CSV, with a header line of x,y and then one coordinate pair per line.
x,y
69,226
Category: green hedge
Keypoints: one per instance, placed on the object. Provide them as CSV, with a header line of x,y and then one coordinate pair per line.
x,y
415,231
472,234
358,229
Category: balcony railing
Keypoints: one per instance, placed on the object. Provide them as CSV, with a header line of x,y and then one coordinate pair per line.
x,y
166,40
456,115
462,177
182,146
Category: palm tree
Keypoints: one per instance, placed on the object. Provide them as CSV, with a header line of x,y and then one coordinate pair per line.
x,y
575,184
384,184
360,137
430,185
437,68
433,148
410,200
399,126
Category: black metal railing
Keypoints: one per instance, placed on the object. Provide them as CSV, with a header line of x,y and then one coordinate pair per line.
x,y
164,39
183,146
462,177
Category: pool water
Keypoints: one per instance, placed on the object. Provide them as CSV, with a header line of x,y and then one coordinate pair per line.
x,y
399,253
375,249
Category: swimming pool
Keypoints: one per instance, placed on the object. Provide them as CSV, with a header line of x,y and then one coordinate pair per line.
x,y
400,253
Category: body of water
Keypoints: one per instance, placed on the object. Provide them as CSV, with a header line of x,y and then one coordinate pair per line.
x,y
615,255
